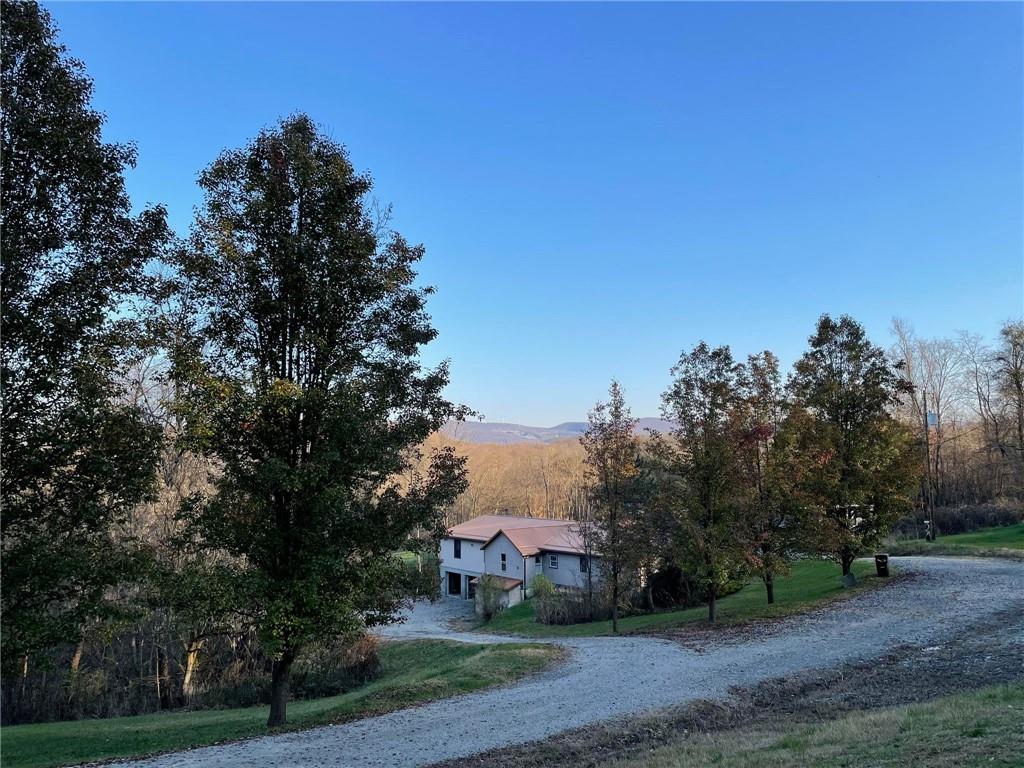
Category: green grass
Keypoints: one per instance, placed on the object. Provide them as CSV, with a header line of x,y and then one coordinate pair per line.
x,y
412,672
1004,541
1007,536
974,729
811,583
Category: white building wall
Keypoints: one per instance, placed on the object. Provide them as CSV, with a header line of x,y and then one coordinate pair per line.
x,y
476,560
534,567
568,573
513,560
472,560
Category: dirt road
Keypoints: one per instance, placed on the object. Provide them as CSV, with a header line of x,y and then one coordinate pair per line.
x,y
609,677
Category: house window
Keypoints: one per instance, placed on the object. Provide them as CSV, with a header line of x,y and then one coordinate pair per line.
x,y
536,560
457,544
553,562
504,563
584,564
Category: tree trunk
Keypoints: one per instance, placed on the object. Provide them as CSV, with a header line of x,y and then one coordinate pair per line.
x,y
76,663
590,587
712,604
188,684
279,689
163,679
24,675
76,660
615,601
846,561
769,585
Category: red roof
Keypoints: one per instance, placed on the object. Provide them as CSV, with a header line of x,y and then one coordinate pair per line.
x,y
529,535
504,582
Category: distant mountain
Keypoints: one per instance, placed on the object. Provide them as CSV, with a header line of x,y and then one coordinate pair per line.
x,y
507,434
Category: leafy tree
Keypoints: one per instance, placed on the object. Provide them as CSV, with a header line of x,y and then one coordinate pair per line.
x,y
77,458
612,451
771,464
701,480
303,381
849,387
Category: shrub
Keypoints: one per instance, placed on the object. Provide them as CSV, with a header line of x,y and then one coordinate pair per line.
x,y
331,669
671,587
952,520
488,596
542,586
423,577
569,606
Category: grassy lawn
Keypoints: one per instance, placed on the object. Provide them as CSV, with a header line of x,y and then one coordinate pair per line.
x,y
811,583
1004,541
973,729
1008,536
412,672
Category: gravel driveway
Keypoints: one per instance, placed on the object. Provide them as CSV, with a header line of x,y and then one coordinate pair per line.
x,y
608,677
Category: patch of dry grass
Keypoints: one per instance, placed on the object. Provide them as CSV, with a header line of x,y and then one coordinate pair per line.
x,y
981,728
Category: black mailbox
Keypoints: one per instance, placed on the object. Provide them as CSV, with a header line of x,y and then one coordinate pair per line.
x,y
882,565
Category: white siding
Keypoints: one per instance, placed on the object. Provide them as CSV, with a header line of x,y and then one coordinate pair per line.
x,y
534,568
476,560
499,546
513,597
507,600
568,573
472,560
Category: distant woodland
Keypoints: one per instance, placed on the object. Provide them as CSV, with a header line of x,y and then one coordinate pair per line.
x,y
534,480
973,389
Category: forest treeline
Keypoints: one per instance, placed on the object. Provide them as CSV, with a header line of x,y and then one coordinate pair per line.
x,y
215,443
975,447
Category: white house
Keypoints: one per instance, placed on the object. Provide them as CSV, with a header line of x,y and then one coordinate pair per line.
x,y
514,550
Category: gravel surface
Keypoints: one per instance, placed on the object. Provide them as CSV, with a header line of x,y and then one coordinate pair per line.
x,y
987,653
433,621
609,677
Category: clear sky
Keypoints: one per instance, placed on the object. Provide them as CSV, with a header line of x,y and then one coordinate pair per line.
x,y
601,186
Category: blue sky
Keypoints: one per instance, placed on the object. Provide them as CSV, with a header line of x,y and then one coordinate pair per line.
x,y
601,186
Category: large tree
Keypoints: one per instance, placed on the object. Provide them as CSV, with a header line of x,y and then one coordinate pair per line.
x,y
773,464
303,382
612,451
1009,373
702,468
867,468
77,457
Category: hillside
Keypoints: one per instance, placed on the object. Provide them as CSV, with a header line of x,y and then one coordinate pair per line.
x,y
500,433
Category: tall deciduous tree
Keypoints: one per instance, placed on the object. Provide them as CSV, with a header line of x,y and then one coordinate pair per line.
x,y
702,466
77,457
771,464
304,383
612,451
850,388
1009,367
